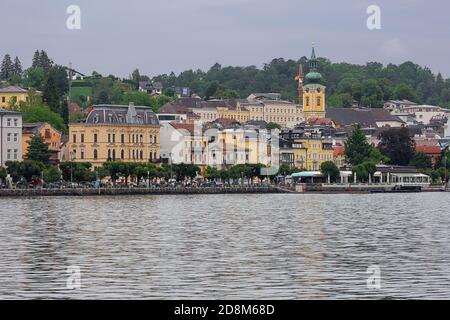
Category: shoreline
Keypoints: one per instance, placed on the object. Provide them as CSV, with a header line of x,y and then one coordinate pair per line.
x,y
82,192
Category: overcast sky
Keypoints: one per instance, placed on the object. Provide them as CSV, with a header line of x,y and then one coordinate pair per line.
x,y
175,35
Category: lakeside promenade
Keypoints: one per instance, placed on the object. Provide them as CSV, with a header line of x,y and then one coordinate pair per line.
x,y
79,192
137,191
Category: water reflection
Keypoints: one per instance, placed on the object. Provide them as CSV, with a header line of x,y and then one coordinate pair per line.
x,y
226,246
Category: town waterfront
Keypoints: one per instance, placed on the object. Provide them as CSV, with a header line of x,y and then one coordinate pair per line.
x,y
254,246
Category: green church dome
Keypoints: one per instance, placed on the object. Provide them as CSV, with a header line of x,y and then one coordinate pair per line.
x,y
313,76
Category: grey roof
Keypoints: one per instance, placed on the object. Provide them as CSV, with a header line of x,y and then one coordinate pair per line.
x,y
266,95
149,85
363,117
115,114
12,89
9,112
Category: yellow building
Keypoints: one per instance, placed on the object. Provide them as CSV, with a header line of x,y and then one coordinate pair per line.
x,y
284,113
11,96
313,92
113,132
237,113
310,153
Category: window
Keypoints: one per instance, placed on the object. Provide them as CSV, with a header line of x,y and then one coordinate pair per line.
x,y
95,154
154,155
3,99
142,155
114,154
151,156
109,138
318,101
8,137
15,122
122,154
82,138
74,138
141,138
15,154
122,139
114,138
307,101
155,140
95,138
82,154
8,122
15,137
109,154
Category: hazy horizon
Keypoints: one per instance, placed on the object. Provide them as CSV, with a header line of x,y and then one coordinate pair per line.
x,y
161,37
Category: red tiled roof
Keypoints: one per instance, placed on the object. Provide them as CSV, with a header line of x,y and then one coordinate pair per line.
x,y
338,151
320,121
429,149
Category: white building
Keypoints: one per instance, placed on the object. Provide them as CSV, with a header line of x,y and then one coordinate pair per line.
x,y
10,136
424,113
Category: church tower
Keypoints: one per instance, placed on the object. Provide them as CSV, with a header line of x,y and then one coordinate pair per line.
x,y
313,91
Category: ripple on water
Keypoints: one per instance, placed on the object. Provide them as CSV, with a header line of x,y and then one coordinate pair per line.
x,y
226,246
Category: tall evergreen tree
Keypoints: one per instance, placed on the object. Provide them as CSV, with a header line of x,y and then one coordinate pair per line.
x,y
65,111
357,149
17,67
36,59
44,61
6,70
38,150
50,94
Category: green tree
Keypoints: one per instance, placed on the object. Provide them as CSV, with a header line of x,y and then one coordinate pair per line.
x,y
3,174
27,169
77,171
17,67
421,160
357,149
329,169
397,144
115,169
42,113
38,150
52,174
7,68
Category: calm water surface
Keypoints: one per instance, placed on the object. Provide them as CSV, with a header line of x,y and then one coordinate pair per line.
x,y
227,246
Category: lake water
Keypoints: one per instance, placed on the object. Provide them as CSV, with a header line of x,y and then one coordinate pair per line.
x,y
275,246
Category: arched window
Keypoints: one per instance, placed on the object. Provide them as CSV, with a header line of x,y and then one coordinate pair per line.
x,y
141,138
109,154
122,154
114,155
95,154
142,155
